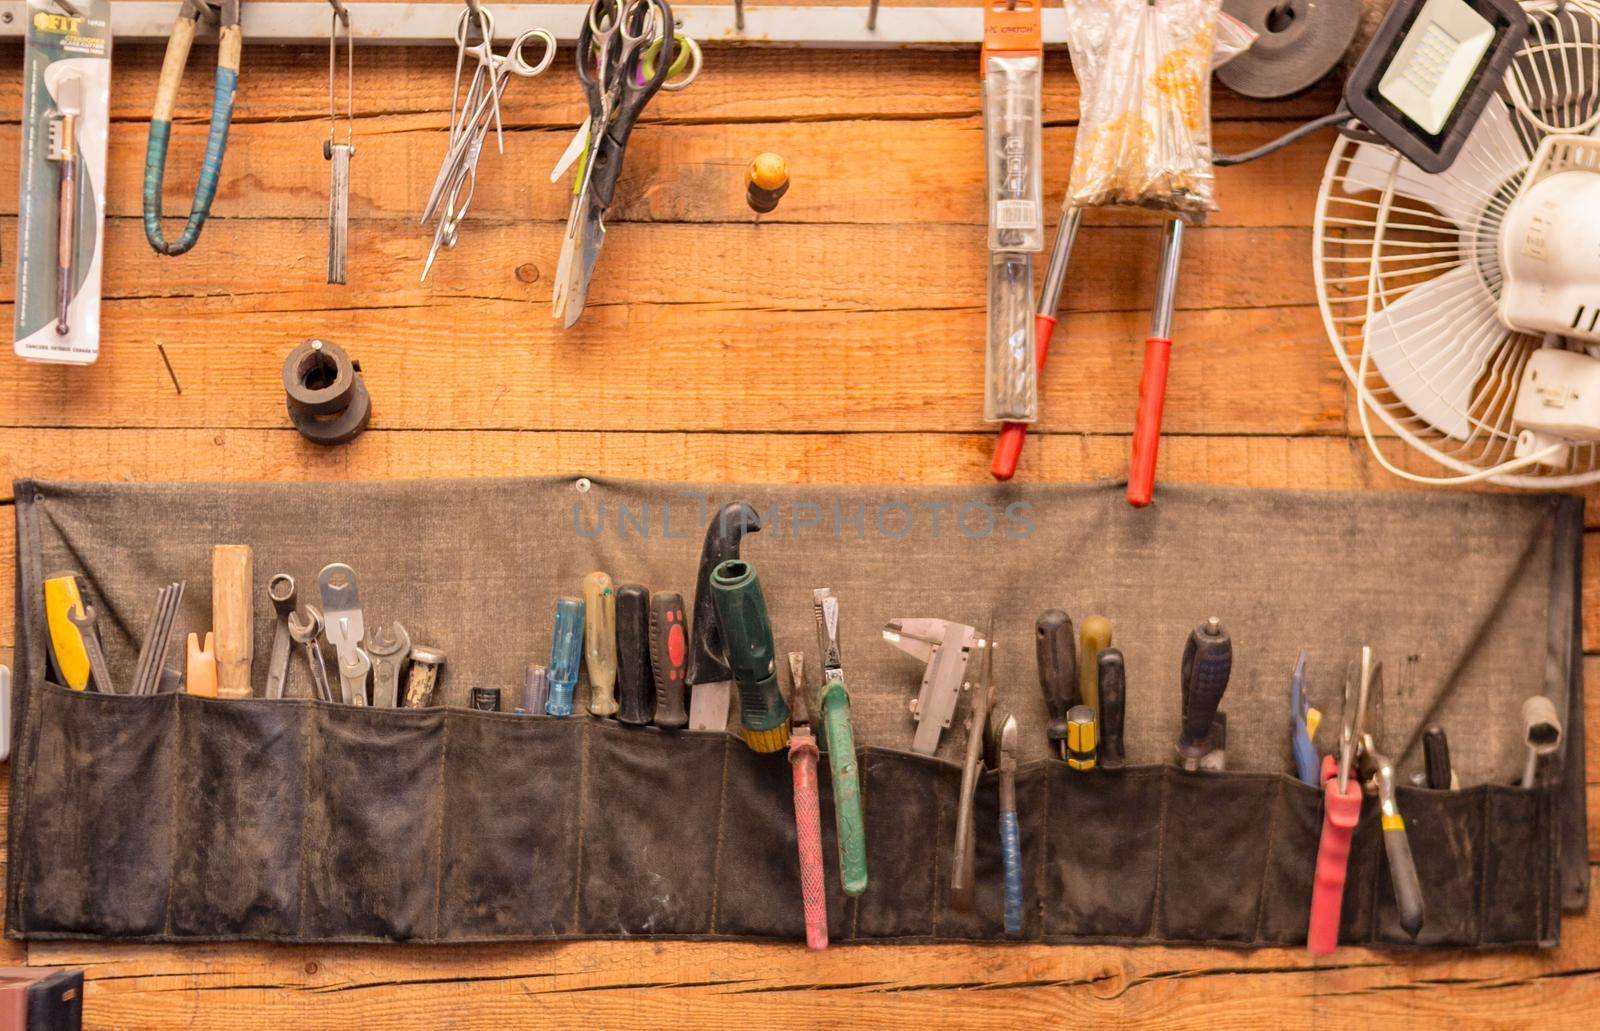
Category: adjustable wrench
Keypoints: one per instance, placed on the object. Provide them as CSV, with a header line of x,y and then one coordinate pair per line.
x,y
281,590
305,632
344,627
389,652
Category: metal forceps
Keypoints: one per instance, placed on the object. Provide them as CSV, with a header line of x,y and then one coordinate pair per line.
x,y
470,117
618,81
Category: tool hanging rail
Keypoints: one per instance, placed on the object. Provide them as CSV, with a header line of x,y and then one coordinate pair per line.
x,y
428,23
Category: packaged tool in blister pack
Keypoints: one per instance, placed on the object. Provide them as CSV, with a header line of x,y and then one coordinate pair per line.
x,y
1144,131
1013,68
62,208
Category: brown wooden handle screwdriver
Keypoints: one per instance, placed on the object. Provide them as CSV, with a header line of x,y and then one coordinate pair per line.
x,y
1058,673
231,618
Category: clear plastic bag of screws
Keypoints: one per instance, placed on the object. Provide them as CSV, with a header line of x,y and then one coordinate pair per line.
x,y
1144,131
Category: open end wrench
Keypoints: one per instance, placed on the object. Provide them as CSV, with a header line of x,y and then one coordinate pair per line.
x,y
353,678
281,590
304,632
82,617
389,651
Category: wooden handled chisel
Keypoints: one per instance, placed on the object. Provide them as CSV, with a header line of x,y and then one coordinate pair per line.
x,y
710,681
838,738
232,617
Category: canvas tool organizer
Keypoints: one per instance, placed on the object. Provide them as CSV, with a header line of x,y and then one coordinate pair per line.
x,y
178,818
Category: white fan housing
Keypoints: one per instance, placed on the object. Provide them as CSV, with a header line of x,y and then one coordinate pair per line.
x,y
1438,290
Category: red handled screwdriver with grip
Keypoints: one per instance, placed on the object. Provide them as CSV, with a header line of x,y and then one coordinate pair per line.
x,y
803,755
1008,448
1341,811
669,657
1153,383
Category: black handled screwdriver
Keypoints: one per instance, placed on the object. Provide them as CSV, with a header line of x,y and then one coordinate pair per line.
x,y
636,689
1207,663
1058,672
1113,698
1436,757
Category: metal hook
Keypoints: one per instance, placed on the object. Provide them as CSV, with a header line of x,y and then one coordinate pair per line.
x,y
341,11
872,16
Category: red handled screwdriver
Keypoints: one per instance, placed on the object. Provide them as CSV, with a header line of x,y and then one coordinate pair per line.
x,y
1153,384
1009,447
807,813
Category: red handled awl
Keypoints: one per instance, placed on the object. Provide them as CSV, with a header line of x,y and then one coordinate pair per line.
x,y
1341,810
1153,383
807,813
1012,434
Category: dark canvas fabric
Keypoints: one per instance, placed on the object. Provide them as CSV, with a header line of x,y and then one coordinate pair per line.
x,y
179,818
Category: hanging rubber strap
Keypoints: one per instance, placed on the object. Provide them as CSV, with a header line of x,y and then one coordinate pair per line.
x,y
229,46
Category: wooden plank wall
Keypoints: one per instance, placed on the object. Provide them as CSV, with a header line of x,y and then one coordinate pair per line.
x,y
838,340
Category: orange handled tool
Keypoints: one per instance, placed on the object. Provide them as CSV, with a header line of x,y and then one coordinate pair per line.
x,y
1153,383
1009,447
807,813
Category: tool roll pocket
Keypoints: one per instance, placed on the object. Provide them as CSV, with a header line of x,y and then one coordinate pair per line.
x,y
758,869
509,846
900,796
239,812
98,856
1099,855
1291,863
373,822
649,807
1214,847
1517,852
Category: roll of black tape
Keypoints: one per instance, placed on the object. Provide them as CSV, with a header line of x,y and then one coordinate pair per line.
x,y
1298,42
319,378
323,392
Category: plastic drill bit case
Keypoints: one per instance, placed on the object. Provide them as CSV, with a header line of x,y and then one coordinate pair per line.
x,y
66,65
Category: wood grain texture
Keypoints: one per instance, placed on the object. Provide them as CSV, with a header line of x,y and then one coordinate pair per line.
x,y
837,341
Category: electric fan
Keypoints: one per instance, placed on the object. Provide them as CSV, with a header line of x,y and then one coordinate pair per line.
x,y
1464,305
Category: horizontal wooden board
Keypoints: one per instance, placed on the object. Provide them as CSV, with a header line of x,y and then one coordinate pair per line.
x,y
858,171
751,266
281,83
730,985
500,364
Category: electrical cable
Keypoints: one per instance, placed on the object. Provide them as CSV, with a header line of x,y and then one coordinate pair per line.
x,y
1342,114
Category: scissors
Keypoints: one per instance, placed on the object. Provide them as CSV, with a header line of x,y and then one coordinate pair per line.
x,y
470,118
627,50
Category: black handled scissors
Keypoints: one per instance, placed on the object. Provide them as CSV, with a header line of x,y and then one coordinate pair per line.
x,y
618,82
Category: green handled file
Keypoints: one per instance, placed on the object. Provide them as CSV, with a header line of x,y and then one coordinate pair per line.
x,y
851,828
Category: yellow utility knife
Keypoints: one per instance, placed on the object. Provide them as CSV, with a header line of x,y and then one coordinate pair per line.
x,y
62,597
